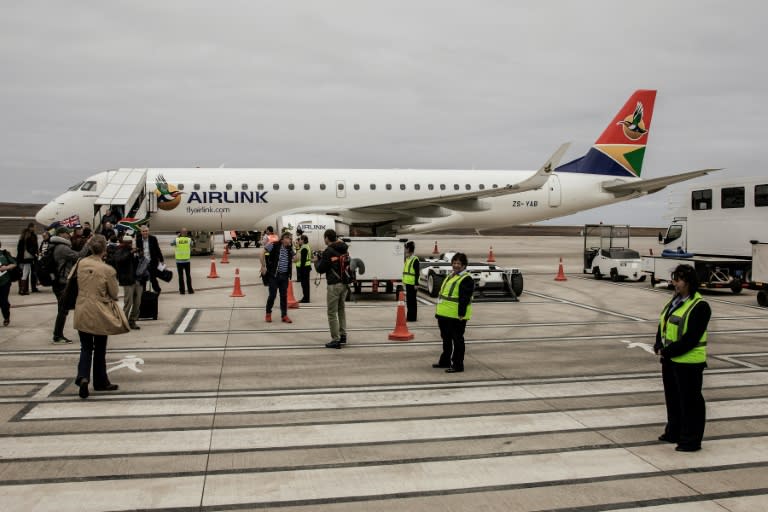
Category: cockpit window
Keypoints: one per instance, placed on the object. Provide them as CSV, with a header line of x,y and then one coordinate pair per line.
x,y
88,185
76,186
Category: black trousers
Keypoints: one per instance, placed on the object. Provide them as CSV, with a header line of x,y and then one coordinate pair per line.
x,y
278,283
182,268
303,277
62,312
686,410
93,348
5,306
452,333
410,302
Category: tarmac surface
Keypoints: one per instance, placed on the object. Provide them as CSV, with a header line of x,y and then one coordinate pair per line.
x,y
559,408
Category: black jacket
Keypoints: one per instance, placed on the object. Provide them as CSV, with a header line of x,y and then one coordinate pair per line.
x,y
274,257
125,263
328,263
155,254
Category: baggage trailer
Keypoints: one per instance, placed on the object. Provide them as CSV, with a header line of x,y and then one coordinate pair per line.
x,y
377,262
758,279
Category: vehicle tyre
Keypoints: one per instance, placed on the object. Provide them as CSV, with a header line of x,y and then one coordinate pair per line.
x,y
433,284
654,282
736,286
517,284
246,244
642,278
357,287
762,298
615,277
390,287
596,273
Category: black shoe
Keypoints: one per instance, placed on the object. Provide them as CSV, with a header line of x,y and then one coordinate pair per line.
x,y
438,365
83,389
667,438
343,339
688,448
6,321
133,326
108,387
333,344
304,301
182,292
191,291
454,370
61,340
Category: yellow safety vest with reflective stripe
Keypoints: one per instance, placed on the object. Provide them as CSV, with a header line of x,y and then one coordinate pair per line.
x,y
448,299
673,328
307,263
409,274
183,248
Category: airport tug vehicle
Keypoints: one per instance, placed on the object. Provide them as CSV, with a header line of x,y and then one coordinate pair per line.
x,y
492,282
607,253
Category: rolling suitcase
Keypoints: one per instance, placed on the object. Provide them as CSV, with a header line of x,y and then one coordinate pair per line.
x,y
148,309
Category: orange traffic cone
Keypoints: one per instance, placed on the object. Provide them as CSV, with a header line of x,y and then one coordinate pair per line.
x,y
560,274
435,251
401,332
236,291
491,259
213,274
225,258
292,302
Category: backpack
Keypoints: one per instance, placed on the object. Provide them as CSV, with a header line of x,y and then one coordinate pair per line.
x,y
15,273
46,269
345,271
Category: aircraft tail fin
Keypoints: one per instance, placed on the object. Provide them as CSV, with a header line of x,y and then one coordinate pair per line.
x,y
620,149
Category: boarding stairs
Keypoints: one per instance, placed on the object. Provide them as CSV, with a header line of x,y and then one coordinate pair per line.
x,y
126,195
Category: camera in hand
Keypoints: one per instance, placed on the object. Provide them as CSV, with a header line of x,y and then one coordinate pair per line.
x,y
317,254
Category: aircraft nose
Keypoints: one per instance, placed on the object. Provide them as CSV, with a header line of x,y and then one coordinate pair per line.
x,y
47,214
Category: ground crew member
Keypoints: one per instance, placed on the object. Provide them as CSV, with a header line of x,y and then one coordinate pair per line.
x,y
183,244
454,308
304,266
681,340
410,280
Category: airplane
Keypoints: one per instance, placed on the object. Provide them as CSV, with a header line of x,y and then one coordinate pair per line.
x,y
375,201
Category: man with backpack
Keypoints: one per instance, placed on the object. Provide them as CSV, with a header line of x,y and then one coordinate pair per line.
x,y
334,263
60,249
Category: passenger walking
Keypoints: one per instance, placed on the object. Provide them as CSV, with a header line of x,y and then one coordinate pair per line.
x,y
150,248
276,268
125,259
454,308
7,264
304,266
681,341
26,249
183,244
97,315
410,280
65,259
330,264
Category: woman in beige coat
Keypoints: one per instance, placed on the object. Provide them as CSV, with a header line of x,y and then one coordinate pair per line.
x,y
97,315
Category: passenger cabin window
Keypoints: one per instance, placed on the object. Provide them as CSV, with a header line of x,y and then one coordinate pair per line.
x,y
431,187
402,186
306,186
339,186
290,186
180,186
260,186
701,200
196,186
88,185
275,187
213,186
388,187
417,187
244,186
373,186
732,197
442,186
357,186
456,186
482,187
468,186
76,186
228,186
322,186
761,195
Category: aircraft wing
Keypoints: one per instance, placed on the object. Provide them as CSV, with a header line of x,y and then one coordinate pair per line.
x,y
621,188
467,201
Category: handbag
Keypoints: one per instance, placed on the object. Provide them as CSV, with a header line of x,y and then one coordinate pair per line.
x,y
165,275
115,322
72,288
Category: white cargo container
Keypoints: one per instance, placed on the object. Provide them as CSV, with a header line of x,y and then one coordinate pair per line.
x,y
382,259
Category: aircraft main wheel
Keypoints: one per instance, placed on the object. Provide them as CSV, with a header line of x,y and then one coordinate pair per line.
x,y
596,273
736,286
433,284
762,298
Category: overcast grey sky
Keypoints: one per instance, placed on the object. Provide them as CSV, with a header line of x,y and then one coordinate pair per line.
x,y
95,85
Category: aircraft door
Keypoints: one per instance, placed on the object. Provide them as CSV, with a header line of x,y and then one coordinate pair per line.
x,y
555,193
341,189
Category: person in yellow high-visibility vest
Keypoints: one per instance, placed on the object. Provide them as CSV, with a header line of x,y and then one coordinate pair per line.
x,y
681,341
304,266
410,280
183,244
454,308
